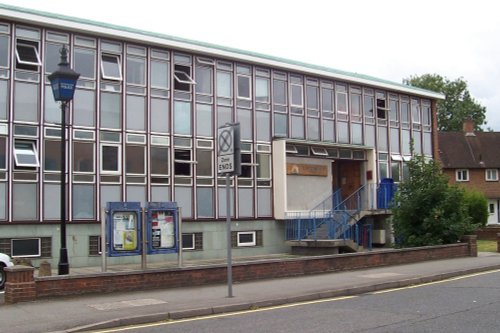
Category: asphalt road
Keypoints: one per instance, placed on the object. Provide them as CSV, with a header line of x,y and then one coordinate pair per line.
x,y
461,305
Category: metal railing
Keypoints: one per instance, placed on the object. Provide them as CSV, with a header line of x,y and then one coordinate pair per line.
x,y
334,218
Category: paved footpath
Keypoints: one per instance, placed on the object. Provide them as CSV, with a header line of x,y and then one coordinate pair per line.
x,y
83,313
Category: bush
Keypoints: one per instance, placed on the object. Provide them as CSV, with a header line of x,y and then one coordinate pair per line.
x,y
429,211
477,207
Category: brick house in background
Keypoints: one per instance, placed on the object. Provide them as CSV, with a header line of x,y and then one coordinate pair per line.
x,y
472,159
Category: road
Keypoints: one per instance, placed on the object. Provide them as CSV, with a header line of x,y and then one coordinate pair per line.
x,y
460,305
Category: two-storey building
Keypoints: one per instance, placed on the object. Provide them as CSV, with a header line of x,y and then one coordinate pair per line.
x,y
471,159
142,127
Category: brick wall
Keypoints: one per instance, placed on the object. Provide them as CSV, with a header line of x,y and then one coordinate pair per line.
x,y
488,233
276,268
477,180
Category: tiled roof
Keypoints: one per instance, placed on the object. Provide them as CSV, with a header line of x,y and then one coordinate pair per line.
x,y
458,150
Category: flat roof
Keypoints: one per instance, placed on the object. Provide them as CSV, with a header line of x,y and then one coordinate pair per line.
x,y
73,24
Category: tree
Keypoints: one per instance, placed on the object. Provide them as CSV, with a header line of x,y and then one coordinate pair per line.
x,y
427,210
458,104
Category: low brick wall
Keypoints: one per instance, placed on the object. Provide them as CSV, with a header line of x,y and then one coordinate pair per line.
x,y
253,270
488,233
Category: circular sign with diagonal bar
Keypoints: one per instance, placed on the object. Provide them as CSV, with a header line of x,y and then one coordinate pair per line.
x,y
225,141
225,145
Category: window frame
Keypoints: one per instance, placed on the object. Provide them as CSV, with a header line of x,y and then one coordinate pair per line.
x,y
246,244
119,159
462,175
488,173
29,44
193,237
33,152
104,75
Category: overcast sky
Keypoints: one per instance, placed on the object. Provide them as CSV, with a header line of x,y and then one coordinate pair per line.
x,y
389,39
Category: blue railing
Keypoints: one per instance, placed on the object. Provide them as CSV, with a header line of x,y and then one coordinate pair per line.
x,y
334,218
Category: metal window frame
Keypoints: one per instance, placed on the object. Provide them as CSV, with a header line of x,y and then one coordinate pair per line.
x,y
25,151
249,77
23,43
117,63
119,159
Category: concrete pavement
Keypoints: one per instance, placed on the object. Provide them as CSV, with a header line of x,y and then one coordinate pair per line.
x,y
83,313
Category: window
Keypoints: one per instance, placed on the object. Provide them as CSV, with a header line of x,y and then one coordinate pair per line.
x,y
296,92
491,175
368,106
27,55
135,160
393,110
491,208
3,153
262,90
244,87
182,162
159,161
110,159
188,241
246,238
246,165
182,118
4,51
279,92
52,158
159,74
204,80
462,175
415,111
319,151
204,166
263,166
224,85
26,154
312,97
83,156
85,62
111,67
355,104
26,247
182,76
136,71
381,108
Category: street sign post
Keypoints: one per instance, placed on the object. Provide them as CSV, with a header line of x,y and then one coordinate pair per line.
x,y
229,163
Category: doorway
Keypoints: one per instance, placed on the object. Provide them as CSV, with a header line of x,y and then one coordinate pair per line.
x,y
346,175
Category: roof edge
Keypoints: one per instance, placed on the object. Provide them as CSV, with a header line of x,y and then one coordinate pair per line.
x,y
122,32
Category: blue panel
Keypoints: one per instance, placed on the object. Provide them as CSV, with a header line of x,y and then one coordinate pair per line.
x,y
124,228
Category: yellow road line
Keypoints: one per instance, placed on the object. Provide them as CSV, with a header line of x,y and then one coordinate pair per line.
x,y
436,282
222,315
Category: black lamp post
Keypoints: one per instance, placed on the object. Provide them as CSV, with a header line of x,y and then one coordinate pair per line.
x,y
63,82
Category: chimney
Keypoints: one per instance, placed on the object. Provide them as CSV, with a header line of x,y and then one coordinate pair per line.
x,y
468,127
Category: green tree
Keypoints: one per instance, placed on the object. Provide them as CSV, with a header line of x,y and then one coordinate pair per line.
x,y
458,105
477,207
427,210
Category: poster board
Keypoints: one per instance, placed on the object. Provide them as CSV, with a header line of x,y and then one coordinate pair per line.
x,y
162,224
124,228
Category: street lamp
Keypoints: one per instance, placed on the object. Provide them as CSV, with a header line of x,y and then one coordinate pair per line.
x,y
63,82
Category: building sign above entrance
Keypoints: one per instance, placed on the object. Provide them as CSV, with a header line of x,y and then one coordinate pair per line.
x,y
306,170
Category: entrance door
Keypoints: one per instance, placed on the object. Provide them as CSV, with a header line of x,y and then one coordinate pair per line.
x,y
346,175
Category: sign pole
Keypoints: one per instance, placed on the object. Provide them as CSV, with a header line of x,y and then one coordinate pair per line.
x,y
228,238
229,163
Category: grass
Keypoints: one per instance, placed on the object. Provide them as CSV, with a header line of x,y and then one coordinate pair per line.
x,y
486,246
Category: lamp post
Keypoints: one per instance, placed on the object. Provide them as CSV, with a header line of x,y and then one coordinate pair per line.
x,y
63,82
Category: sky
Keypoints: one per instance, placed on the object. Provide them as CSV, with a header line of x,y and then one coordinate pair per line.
x,y
388,39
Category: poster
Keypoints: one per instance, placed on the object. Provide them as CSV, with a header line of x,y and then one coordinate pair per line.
x,y
163,233
125,231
